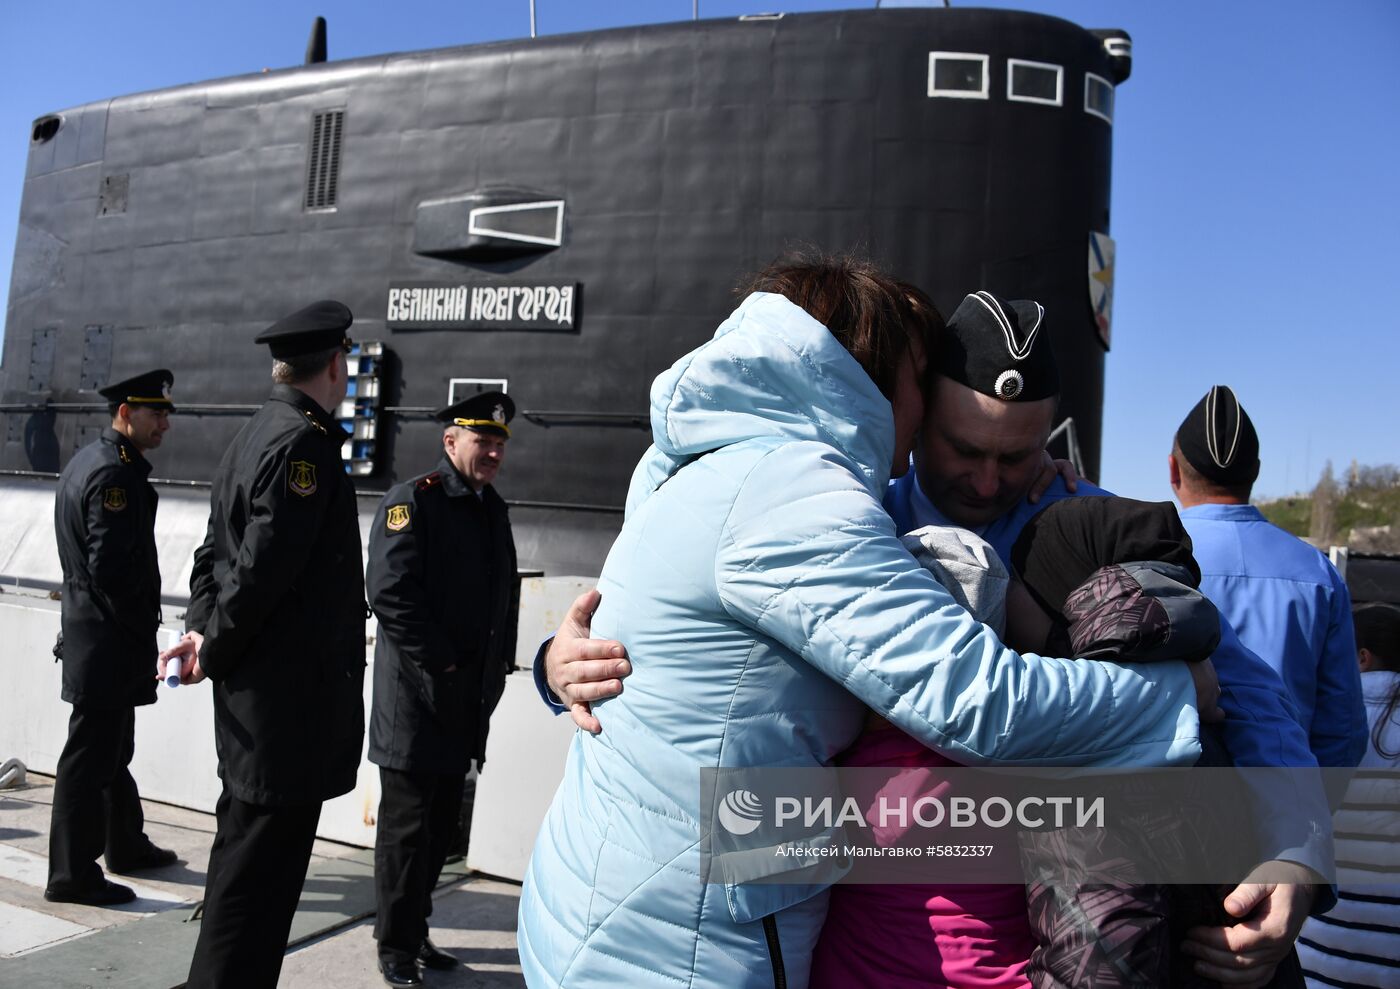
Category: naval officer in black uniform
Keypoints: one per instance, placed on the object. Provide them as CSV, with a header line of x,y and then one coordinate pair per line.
x,y
442,581
277,621
104,518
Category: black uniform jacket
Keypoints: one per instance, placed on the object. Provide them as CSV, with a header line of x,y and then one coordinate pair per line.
x,y
105,518
442,581
278,592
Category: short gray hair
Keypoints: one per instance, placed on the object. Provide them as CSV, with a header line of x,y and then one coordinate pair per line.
x,y
303,367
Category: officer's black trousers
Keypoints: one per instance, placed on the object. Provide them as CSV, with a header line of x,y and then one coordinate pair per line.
x,y
96,808
256,869
417,823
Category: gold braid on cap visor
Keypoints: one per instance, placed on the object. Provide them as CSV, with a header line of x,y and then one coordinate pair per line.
x,y
142,398
472,423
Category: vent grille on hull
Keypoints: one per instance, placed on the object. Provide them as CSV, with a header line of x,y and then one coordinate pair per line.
x,y
323,161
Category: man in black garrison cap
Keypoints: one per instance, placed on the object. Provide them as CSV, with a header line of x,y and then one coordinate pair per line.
x,y
442,582
277,622
1286,601
992,394
104,520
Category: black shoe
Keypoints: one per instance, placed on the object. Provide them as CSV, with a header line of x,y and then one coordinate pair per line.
x,y
431,957
400,971
109,894
151,858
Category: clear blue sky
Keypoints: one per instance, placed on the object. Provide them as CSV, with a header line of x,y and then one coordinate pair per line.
x,y
1255,202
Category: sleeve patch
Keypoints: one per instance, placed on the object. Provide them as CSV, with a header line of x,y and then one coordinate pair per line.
x,y
398,518
114,499
301,477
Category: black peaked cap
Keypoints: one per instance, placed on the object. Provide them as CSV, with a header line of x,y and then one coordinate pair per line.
x,y
488,412
1000,348
151,389
320,326
1218,439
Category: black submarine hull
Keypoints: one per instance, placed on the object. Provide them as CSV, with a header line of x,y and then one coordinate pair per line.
x,y
567,215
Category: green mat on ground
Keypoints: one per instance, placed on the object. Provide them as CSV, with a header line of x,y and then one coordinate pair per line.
x,y
154,952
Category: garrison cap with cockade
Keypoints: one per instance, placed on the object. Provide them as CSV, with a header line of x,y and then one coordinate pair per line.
x,y
998,347
151,389
488,412
320,326
1217,439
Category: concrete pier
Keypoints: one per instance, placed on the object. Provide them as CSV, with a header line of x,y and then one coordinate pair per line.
x,y
148,943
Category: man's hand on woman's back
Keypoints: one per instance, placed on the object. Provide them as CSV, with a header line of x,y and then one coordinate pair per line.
x,y
580,670
1271,914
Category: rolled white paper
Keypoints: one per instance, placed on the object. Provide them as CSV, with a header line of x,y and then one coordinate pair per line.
x,y
172,672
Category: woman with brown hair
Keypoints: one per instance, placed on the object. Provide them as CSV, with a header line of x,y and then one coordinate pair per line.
x,y
766,602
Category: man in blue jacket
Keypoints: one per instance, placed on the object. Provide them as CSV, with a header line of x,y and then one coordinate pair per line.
x,y
990,408
1287,602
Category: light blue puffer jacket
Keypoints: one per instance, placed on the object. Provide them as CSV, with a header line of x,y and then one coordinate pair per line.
x,y
765,599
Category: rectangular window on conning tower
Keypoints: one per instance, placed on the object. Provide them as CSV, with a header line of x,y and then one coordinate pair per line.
x,y
957,75
323,160
1034,82
1098,96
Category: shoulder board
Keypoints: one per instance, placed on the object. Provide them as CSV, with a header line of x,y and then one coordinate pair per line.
x,y
312,419
429,481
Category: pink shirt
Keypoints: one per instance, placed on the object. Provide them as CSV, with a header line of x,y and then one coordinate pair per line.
x,y
920,936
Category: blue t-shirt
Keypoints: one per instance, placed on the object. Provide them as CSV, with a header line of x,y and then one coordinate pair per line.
x,y
1291,608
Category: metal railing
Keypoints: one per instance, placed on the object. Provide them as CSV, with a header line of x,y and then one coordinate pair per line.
x,y
1071,435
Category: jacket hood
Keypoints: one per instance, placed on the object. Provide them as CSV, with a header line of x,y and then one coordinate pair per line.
x,y
1377,685
771,371
1141,612
967,567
